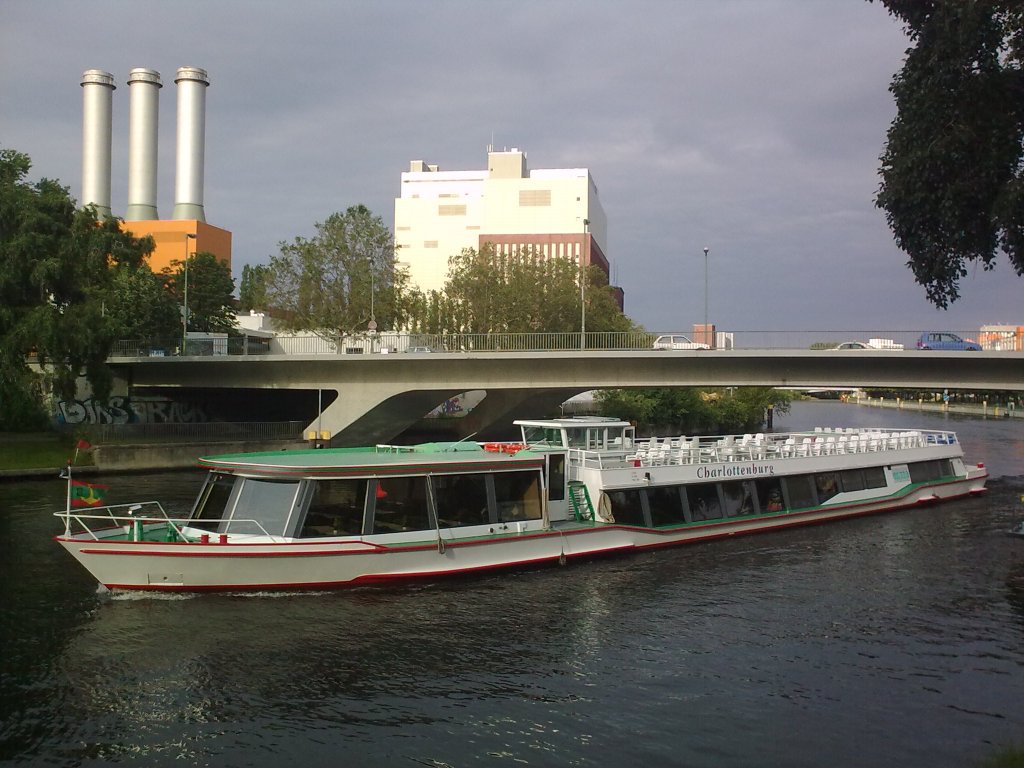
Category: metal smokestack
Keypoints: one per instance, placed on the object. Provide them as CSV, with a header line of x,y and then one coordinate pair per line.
x,y
97,118
143,113
188,185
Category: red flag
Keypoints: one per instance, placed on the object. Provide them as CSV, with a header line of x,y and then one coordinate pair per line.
x,y
82,445
87,494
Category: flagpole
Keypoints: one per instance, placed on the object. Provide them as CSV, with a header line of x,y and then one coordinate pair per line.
x,y
67,511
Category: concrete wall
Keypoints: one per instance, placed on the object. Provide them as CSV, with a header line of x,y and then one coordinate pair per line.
x,y
127,458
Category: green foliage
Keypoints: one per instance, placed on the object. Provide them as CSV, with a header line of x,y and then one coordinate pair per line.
x,y
252,292
210,292
56,277
521,292
952,175
140,307
341,279
1007,757
692,411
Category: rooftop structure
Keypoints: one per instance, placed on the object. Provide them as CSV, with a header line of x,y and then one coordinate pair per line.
x,y
439,213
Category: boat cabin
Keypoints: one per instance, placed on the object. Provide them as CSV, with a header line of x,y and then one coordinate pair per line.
x,y
589,433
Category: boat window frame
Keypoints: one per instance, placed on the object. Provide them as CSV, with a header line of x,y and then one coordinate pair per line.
x,y
307,495
683,504
240,489
564,458
203,497
645,510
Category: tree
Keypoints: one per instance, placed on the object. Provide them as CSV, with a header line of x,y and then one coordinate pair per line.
x,y
252,292
341,279
140,307
523,292
56,273
952,174
687,410
210,290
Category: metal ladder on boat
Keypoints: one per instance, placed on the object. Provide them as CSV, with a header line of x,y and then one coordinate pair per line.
x,y
579,499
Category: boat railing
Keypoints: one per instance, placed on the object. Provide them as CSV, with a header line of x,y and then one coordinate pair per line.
x,y
115,516
132,519
657,451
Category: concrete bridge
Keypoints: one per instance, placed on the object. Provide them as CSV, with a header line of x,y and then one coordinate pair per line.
x,y
379,396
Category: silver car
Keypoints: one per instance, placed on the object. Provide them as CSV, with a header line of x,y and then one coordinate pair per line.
x,y
677,341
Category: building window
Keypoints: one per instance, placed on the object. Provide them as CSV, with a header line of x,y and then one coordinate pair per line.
x,y
451,210
534,197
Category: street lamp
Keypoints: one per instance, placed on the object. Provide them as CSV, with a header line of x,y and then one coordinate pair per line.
x,y
706,296
184,313
583,284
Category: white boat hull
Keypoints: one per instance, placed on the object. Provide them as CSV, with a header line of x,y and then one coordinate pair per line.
x,y
339,562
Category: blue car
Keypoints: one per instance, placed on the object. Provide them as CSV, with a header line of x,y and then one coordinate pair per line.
x,y
946,341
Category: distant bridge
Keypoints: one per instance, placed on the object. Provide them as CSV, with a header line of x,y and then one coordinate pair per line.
x,y
381,395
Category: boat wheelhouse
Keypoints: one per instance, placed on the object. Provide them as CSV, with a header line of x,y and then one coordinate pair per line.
x,y
569,488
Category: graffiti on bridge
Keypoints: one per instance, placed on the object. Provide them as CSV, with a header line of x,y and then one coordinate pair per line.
x,y
125,410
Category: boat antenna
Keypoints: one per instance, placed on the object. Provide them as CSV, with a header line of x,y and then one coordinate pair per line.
x,y
461,440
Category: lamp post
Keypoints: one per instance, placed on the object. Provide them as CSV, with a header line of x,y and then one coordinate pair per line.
x,y
583,285
706,296
184,313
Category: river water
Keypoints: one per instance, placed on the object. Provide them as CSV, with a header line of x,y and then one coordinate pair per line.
x,y
894,640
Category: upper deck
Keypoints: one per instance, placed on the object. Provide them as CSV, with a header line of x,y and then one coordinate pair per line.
x,y
606,443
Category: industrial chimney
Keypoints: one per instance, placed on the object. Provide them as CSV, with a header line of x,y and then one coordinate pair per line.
x,y
188,187
97,118
143,113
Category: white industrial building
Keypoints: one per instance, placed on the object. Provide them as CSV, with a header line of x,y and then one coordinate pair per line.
x,y
439,213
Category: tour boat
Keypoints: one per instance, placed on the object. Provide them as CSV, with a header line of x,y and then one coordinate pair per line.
x,y
569,488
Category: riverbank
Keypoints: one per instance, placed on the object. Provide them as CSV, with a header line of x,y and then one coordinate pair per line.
x,y
982,410
50,454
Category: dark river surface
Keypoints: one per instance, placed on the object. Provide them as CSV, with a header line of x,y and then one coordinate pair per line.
x,y
893,640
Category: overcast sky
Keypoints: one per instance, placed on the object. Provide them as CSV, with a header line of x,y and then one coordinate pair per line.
x,y
751,127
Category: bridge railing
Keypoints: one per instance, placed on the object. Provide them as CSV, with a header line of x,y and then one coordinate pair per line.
x,y
391,342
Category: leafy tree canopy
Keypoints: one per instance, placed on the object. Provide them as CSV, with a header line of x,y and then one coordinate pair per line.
x,y
140,307
57,267
339,280
691,410
210,292
519,292
952,183
252,292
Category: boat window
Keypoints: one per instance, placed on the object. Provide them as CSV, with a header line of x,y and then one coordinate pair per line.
x,y
923,471
827,485
800,490
627,508
542,436
461,500
769,494
556,476
517,495
704,502
212,505
263,507
874,477
666,505
853,479
739,498
577,438
336,508
401,505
